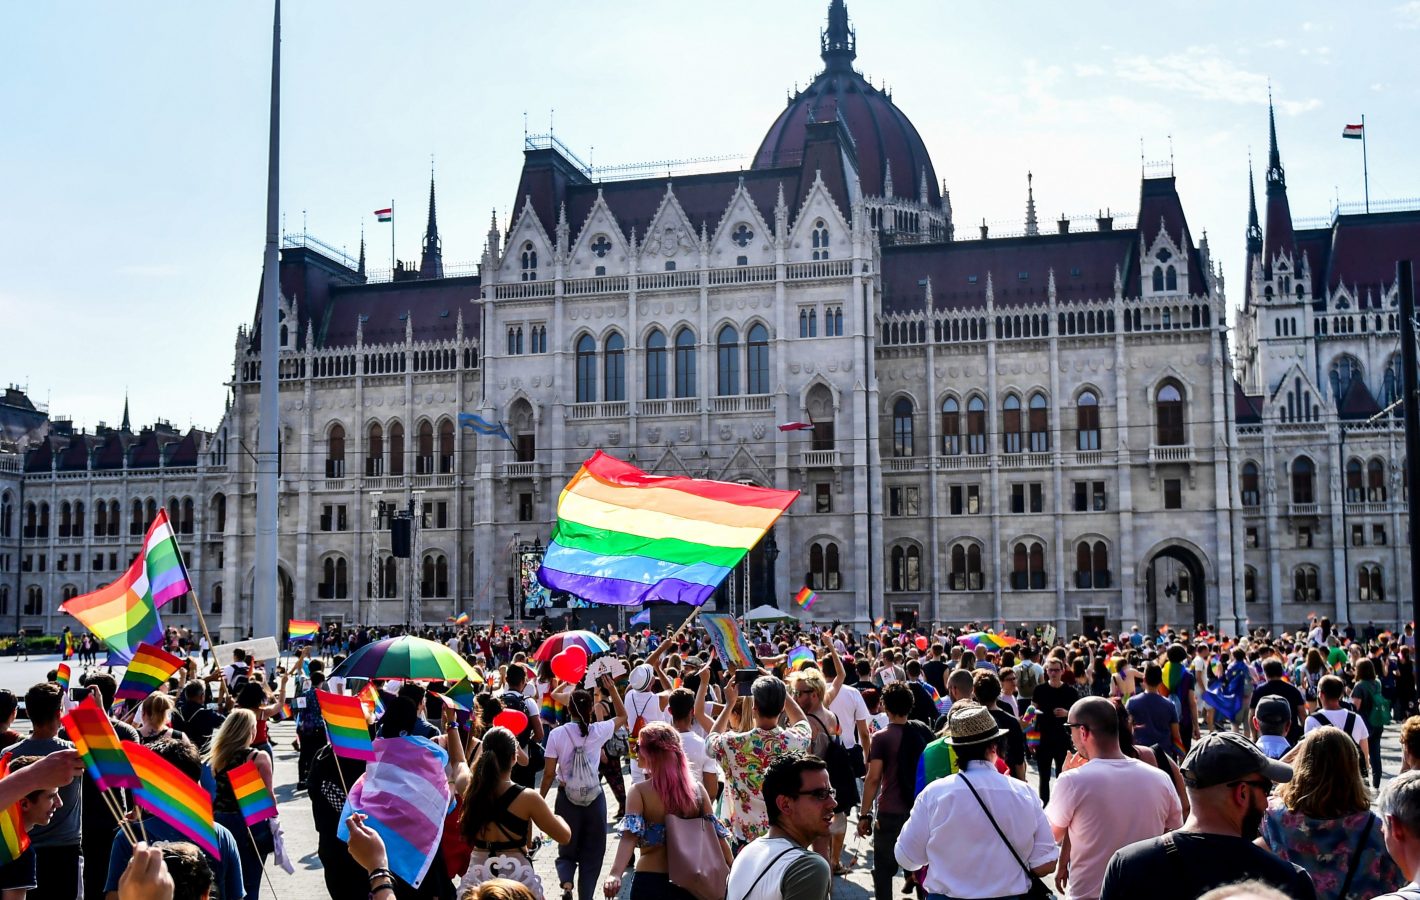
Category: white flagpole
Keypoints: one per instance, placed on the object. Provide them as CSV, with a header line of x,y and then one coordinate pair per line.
x,y
1365,168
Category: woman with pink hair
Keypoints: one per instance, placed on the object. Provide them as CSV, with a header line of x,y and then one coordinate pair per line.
x,y
668,790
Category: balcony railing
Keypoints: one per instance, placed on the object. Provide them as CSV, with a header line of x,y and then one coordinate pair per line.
x,y
1303,510
901,463
520,470
822,459
1164,453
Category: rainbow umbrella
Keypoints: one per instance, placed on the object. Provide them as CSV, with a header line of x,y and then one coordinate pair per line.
x,y
559,642
992,641
406,657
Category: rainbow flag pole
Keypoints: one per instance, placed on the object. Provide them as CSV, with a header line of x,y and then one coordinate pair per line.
x,y
805,598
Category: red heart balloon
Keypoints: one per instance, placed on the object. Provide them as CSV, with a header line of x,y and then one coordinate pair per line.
x,y
921,642
571,664
515,720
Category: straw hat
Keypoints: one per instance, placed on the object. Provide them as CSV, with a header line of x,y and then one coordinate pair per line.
x,y
968,722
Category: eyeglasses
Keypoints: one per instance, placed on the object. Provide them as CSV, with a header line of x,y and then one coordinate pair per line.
x,y
823,795
1077,725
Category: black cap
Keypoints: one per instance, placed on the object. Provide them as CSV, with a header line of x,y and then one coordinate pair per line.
x,y
1274,710
1225,756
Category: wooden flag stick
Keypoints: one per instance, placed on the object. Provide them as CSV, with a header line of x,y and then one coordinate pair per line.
x,y
202,620
117,812
257,850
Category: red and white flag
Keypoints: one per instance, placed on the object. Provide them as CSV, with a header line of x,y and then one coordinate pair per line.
x,y
796,426
1354,132
385,215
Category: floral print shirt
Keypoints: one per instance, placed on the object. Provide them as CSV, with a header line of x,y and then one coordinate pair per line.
x,y
1325,847
744,756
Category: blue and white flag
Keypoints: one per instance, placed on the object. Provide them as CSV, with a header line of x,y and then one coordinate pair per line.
x,y
641,618
481,425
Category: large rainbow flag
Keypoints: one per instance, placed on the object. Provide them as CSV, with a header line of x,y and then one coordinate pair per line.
x,y
146,672
624,537
173,797
125,613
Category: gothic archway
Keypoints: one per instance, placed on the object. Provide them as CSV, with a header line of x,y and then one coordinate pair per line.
x,y
1176,588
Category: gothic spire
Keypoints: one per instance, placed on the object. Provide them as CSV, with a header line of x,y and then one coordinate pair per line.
x,y
125,426
1254,229
431,265
1275,173
1278,237
360,270
838,44
1032,227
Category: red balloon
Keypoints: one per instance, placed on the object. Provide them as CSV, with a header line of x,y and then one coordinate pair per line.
x,y
515,720
571,664
921,642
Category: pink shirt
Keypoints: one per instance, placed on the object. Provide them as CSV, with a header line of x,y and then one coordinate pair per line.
x,y
1107,804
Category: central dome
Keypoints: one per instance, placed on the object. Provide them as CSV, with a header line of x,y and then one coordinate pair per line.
x,y
885,139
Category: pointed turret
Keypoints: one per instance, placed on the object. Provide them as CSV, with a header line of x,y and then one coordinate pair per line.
x,y
838,44
431,264
1254,229
360,270
1032,226
1279,241
125,427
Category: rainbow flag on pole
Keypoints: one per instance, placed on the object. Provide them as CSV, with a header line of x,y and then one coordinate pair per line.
x,y
805,598
345,724
301,630
252,794
149,668
93,736
624,537
370,698
61,677
173,797
730,645
13,840
125,613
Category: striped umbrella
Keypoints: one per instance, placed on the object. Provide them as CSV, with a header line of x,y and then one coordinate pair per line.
x,y
559,642
406,657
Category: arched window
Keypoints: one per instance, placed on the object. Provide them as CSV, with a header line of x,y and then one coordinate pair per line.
x,y
446,447
1028,566
965,568
820,240
976,426
396,448
1011,424
113,518
65,518
78,521
902,444
727,362
512,341
614,368
951,427
335,452
832,580
1249,584
100,519
1171,279
424,459
1304,585
1251,489
44,519
326,589
435,576
34,601
1087,421
803,323
187,516
529,262
906,568
216,595
586,369
1370,584
150,512
685,363
219,513
1344,369
1038,424
1303,480
174,512
375,450
4,599
389,577
1157,281
1355,477
1168,416
1091,565
656,365
1391,386
823,566
757,359
1375,481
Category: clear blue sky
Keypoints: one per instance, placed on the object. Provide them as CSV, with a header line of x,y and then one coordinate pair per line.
x,y
134,149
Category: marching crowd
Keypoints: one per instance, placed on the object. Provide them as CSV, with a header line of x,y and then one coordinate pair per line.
x,y
975,764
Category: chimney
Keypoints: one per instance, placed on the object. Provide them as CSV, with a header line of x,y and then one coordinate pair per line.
x,y
984,229
1064,224
1105,222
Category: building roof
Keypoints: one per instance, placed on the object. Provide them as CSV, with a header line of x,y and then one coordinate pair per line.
x,y
1357,402
1247,410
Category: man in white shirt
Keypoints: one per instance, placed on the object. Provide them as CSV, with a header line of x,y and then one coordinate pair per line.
x,y
1084,804
681,707
780,866
947,819
643,705
1332,712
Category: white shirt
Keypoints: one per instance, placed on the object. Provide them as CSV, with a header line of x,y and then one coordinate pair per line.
x,y
700,763
565,739
1337,717
850,709
1006,702
945,818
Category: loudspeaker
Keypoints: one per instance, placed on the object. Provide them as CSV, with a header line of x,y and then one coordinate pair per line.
x,y
401,536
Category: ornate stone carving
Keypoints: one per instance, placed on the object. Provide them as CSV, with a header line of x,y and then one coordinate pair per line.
x,y
726,431
583,437
758,431
653,435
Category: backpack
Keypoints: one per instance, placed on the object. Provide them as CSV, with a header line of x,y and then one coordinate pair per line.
x,y
1026,679
524,775
583,784
1346,726
840,769
1375,708
308,717
633,739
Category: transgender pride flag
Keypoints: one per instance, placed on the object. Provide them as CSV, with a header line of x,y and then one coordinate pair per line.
x,y
405,797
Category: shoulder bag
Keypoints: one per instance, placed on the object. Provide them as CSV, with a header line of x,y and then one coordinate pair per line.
x,y
1037,889
694,858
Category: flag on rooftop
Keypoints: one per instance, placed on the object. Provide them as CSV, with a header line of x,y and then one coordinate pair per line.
x,y
385,215
1354,132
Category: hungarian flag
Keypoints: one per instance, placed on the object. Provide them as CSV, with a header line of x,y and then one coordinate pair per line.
x,y
1354,132
385,215
796,426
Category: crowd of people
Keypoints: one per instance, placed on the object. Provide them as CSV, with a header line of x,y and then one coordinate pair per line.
x,y
946,761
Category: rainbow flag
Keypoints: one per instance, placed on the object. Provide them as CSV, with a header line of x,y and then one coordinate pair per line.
x,y
805,597
149,668
345,725
799,656
878,623
68,644
13,839
552,711
370,699
301,630
730,645
93,736
61,677
252,794
991,641
173,797
463,618
286,710
1173,677
125,613
1030,724
462,693
624,537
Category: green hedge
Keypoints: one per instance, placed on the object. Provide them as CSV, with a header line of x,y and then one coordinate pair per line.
x,y
43,644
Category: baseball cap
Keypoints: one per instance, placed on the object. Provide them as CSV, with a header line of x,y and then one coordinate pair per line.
x,y
1274,710
1225,756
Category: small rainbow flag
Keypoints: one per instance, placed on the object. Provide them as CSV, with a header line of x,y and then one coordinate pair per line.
x,y
805,597
878,623
730,645
462,693
286,710
1178,745
252,794
624,537
370,698
173,797
345,725
462,618
61,677
1030,724
1173,677
799,656
93,736
551,710
301,630
13,840
149,668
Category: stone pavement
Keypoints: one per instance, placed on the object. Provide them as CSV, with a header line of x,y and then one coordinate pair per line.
x,y
308,882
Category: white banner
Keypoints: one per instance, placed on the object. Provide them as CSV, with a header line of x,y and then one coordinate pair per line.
x,y
262,649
